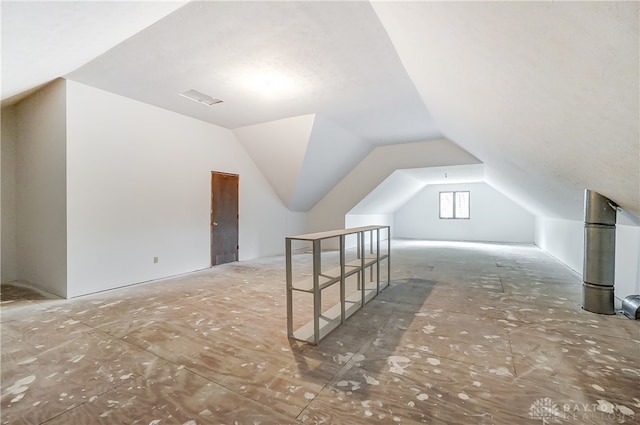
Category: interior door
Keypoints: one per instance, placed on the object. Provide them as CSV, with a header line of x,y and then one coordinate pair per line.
x,y
224,218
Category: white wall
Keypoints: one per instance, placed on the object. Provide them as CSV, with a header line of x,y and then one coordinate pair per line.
x,y
41,220
9,267
494,217
296,224
358,220
139,187
627,280
564,240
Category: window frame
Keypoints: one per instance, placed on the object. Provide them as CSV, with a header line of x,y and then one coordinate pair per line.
x,y
454,204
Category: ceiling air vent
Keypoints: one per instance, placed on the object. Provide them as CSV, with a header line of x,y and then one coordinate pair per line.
x,y
202,98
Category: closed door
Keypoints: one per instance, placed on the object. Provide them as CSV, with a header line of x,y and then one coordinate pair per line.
x,y
224,218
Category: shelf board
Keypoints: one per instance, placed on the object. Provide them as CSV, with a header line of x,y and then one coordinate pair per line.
x,y
330,319
368,261
325,279
356,297
335,233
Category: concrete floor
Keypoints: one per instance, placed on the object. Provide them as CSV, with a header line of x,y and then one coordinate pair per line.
x,y
465,334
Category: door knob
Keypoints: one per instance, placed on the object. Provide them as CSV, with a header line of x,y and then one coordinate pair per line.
x,y
215,224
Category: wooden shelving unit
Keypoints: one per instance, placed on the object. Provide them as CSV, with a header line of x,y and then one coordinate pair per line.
x,y
350,262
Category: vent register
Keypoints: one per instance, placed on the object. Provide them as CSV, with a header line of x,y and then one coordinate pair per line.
x,y
200,97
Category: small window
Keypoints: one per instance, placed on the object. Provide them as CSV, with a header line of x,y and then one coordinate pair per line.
x,y
454,205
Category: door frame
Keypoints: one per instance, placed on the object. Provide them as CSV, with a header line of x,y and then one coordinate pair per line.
x,y
211,215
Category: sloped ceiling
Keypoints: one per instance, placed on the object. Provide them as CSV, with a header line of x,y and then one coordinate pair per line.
x,y
42,41
404,184
302,157
544,93
269,61
266,143
331,154
373,177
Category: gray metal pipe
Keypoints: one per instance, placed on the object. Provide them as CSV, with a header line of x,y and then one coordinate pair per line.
x,y
599,253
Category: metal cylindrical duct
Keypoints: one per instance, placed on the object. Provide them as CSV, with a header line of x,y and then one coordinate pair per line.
x,y
597,299
599,253
598,209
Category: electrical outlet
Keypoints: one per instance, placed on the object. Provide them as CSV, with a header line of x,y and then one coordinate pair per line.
x,y
155,260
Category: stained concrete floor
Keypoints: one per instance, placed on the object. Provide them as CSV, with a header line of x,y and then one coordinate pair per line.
x,y
465,334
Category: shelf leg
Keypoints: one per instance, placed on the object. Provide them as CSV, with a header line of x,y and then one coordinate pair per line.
x,y
388,255
316,292
371,252
363,286
359,257
377,261
342,282
289,289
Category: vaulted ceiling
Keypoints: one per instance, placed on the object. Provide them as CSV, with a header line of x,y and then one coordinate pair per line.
x,y
544,94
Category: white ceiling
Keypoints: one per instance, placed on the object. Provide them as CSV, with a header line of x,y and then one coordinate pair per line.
x,y
268,61
42,41
545,94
